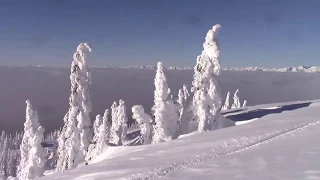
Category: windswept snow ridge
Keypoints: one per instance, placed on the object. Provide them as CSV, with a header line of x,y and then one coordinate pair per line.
x,y
233,146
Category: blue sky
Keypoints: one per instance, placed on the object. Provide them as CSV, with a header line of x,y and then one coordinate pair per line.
x,y
272,33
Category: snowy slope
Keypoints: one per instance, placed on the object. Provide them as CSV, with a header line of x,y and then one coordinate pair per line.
x,y
282,144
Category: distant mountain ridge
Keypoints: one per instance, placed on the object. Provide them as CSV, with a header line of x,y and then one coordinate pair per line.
x,y
285,69
312,69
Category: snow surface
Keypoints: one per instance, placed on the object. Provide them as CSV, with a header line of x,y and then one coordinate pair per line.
x,y
282,144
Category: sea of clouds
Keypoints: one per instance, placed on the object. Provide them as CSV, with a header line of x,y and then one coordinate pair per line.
x,y
48,88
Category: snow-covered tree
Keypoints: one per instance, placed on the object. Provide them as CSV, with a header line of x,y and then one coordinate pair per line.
x,y
12,163
119,123
226,105
114,137
106,123
99,142
184,110
244,103
96,130
32,153
52,136
207,98
9,153
77,133
236,100
61,164
123,120
4,143
165,111
104,131
97,124
145,122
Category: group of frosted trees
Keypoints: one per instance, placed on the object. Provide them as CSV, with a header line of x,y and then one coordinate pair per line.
x,y
80,140
174,117
236,102
9,156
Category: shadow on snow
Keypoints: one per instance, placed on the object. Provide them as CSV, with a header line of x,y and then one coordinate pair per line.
x,y
263,112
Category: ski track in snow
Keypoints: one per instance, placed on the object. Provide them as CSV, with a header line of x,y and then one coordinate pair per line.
x,y
162,171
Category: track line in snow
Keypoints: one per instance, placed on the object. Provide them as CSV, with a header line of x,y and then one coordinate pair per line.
x,y
162,171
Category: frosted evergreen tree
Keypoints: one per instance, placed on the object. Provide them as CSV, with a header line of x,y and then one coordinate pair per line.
x,y
145,123
114,136
119,123
32,154
61,164
236,100
77,133
52,136
123,119
226,105
4,149
92,146
100,140
244,103
9,154
106,123
104,130
165,111
97,124
184,110
11,166
207,98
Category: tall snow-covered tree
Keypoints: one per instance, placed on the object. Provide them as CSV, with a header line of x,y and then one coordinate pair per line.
x,y
61,164
96,124
226,105
207,98
12,163
119,123
184,110
114,137
123,120
32,153
99,142
77,133
145,122
4,143
236,100
165,111
104,131
92,146
106,123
